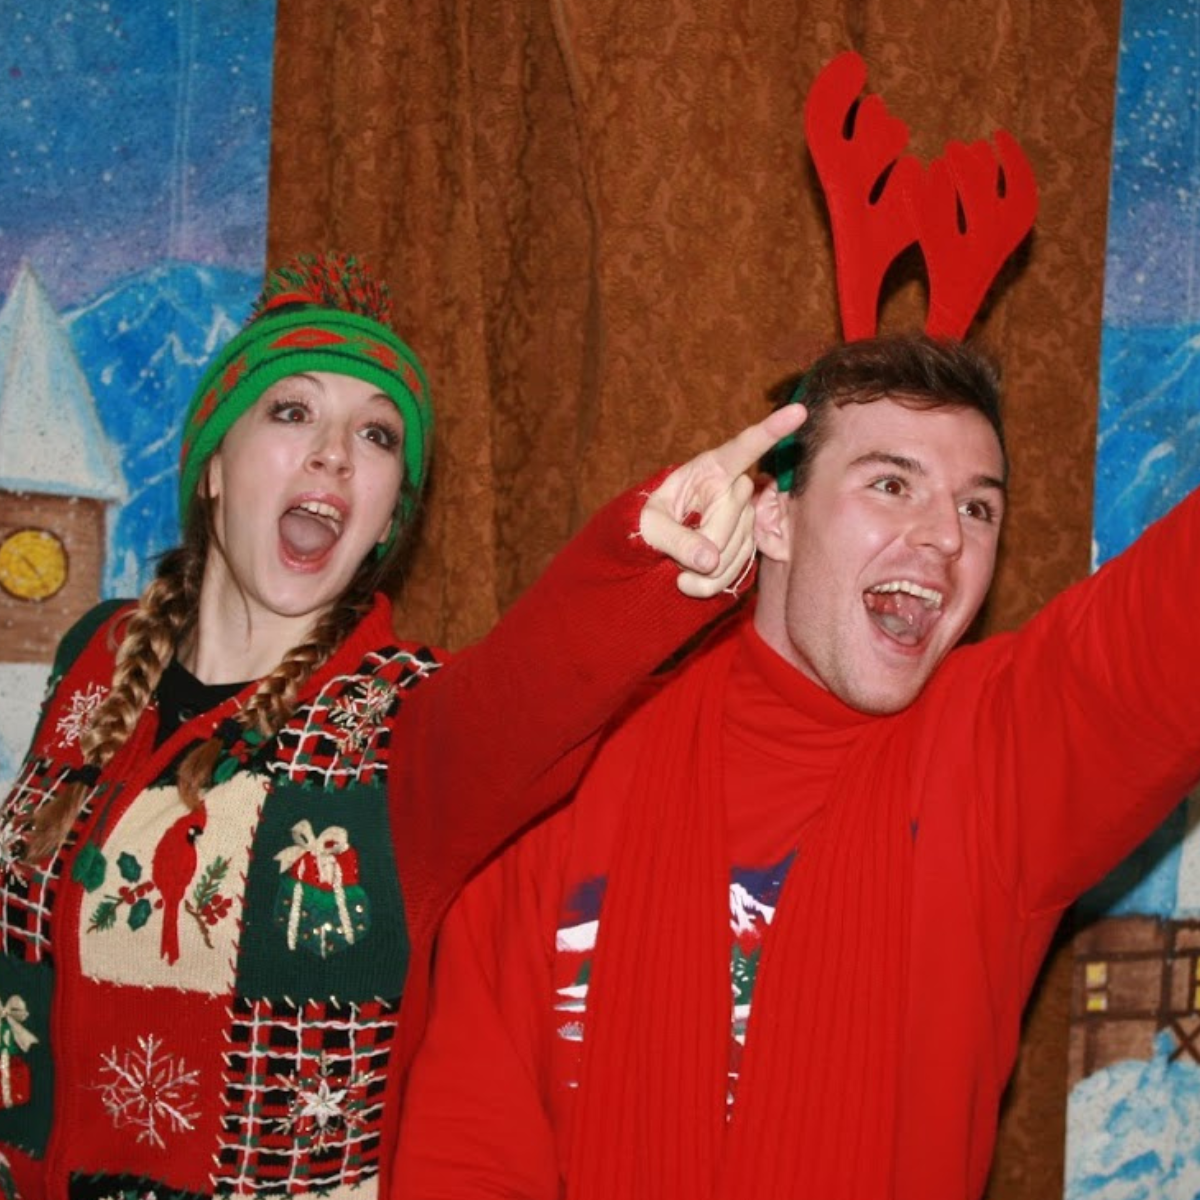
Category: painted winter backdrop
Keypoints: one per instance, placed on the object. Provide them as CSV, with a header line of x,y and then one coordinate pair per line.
x,y
1134,1127
142,346
133,188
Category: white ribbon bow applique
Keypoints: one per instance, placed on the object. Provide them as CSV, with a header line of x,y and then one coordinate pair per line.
x,y
324,849
13,1014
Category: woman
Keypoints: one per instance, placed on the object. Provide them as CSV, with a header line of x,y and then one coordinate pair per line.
x,y
248,804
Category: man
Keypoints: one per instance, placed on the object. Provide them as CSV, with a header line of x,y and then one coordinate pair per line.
x,y
779,944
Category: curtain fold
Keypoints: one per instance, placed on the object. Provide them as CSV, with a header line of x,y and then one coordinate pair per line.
x,y
605,240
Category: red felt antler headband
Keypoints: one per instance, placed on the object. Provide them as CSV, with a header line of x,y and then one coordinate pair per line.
x,y
968,211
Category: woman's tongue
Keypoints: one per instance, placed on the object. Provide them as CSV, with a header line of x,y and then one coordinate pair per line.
x,y
903,618
306,537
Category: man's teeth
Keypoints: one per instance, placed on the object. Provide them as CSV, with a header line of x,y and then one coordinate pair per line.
x,y
927,596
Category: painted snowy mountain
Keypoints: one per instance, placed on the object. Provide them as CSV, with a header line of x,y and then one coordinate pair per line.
x,y
143,345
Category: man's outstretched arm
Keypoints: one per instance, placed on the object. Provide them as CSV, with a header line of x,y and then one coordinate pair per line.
x,y
1095,715
504,731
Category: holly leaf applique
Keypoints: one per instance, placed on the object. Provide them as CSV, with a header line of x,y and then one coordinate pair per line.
x,y
225,769
237,755
139,913
90,865
130,868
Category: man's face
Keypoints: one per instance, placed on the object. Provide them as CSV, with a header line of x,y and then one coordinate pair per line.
x,y
873,573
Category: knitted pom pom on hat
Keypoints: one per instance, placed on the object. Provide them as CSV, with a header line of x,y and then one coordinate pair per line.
x,y
315,313
326,281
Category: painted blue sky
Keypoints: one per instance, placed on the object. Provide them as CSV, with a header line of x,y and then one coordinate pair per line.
x,y
1152,275
134,141
131,133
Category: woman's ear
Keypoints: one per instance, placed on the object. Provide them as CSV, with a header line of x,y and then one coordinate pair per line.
x,y
210,479
389,532
772,524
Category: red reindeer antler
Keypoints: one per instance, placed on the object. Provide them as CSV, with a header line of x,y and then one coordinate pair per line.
x,y
974,208
856,147
970,210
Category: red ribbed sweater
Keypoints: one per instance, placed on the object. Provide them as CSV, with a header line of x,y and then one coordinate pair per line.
x,y
1031,764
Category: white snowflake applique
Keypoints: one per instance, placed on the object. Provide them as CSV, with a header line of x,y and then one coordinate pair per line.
x,y
324,1107
357,715
13,868
84,702
149,1090
16,821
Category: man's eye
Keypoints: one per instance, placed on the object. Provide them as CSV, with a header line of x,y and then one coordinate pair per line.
x,y
979,510
890,485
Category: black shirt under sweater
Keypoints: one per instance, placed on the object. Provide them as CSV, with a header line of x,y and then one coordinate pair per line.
x,y
181,696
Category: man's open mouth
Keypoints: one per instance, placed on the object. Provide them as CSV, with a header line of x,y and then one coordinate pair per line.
x,y
904,610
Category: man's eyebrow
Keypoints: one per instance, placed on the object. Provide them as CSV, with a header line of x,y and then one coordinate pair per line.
x,y
913,466
990,481
880,458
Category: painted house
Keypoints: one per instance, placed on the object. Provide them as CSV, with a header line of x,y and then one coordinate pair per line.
x,y
58,477
1134,978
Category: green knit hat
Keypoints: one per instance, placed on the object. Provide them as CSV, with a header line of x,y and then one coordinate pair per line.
x,y
318,313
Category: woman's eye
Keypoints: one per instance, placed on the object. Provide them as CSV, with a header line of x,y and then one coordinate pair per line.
x,y
289,411
382,435
890,485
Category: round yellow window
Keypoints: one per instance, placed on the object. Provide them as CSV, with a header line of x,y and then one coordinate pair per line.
x,y
33,564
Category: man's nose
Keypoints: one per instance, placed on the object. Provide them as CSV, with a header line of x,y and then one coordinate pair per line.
x,y
938,526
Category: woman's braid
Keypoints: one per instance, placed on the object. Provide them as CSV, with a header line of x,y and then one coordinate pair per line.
x,y
151,633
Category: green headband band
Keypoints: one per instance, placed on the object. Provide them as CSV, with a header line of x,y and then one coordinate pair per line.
x,y
780,460
294,340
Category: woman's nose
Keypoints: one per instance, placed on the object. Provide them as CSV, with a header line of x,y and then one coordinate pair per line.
x,y
332,452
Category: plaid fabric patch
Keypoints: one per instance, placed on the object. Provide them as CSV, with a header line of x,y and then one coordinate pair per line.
x,y
26,892
304,1096
342,736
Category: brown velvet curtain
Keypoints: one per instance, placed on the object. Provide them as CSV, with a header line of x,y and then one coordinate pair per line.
x,y
605,240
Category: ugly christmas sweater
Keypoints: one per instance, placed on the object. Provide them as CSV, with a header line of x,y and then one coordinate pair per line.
x,y
226,1000
795,938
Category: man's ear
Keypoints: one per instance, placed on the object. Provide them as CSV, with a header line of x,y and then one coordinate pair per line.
x,y
772,523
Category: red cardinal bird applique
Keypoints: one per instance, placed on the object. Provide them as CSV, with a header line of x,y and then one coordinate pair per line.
x,y
172,870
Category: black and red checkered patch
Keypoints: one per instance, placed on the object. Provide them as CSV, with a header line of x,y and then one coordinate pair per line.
x,y
304,1096
27,892
123,1187
342,736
